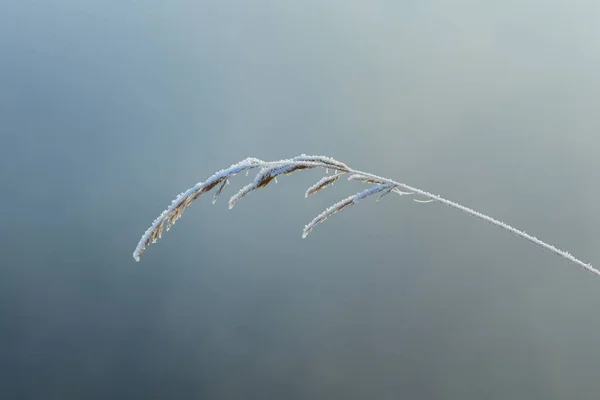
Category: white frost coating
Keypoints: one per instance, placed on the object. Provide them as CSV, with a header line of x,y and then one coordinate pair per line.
x,y
361,177
400,192
423,201
341,204
532,239
173,212
218,192
328,212
321,183
247,163
385,193
356,177
241,193
326,160
368,192
286,168
266,173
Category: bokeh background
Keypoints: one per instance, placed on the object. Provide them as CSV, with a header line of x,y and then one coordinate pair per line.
x,y
109,109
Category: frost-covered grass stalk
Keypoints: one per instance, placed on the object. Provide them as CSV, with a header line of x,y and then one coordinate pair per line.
x,y
269,171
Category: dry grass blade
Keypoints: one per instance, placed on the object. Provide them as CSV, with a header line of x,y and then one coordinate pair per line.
x,y
269,172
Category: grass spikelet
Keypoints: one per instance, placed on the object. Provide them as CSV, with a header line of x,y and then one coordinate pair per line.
x,y
322,184
269,172
385,193
267,175
340,205
371,191
326,161
337,207
366,179
218,192
241,193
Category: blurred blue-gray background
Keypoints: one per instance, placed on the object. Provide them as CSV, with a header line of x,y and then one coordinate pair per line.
x,y
109,109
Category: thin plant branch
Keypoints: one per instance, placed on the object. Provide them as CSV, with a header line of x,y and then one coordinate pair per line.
x,y
270,170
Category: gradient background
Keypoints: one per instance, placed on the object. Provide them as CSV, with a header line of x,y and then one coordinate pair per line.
x,y
109,109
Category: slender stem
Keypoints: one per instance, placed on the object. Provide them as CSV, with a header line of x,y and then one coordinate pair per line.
x,y
486,218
